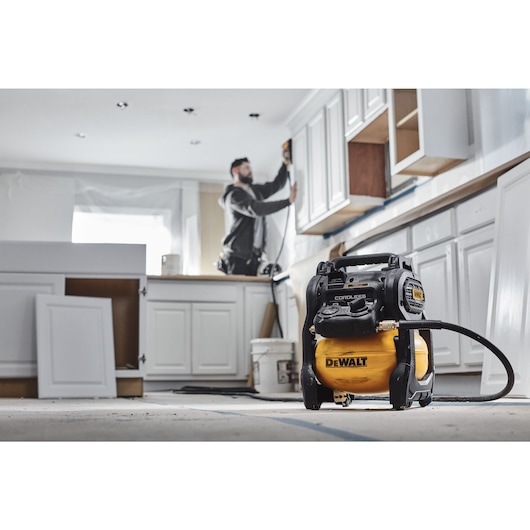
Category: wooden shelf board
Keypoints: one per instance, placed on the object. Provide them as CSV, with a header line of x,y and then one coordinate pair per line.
x,y
429,166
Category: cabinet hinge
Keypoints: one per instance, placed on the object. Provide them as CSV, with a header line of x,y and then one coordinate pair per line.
x,y
143,291
142,358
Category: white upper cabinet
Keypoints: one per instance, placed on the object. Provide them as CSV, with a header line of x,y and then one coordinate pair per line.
x,y
361,107
374,101
337,176
316,144
428,130
300,165
325,200
353,109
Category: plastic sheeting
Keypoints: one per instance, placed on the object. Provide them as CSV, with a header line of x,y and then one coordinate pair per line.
x,y
159,200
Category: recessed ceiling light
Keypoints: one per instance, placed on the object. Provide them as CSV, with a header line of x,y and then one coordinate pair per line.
x,y
188,110
195,142
122,104
80,135
254,115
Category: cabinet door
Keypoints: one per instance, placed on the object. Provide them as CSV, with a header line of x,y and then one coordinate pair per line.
x,y
75,347
168,339
509,303
301,177
436,268
18,345
215,330
374,99
475,259
353,112
316,144
337,183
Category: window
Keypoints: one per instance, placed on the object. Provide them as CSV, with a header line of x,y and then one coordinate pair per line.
x,y
123,225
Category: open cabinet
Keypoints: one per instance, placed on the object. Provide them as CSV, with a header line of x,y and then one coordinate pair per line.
x,y
428,130
114,272
124,294
329,193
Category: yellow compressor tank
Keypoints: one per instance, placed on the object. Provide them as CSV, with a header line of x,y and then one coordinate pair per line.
x,y
363,365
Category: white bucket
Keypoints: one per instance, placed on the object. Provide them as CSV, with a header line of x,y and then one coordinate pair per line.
x,y
273,365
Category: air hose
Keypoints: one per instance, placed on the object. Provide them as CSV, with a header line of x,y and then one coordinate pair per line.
x,y
388,325
275,264
438,324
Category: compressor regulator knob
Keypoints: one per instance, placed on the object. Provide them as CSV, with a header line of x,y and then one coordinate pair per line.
x,y
357,305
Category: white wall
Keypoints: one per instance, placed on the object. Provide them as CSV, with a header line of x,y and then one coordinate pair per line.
x,y
36,208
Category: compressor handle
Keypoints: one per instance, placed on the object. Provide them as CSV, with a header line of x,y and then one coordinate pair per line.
x,y
393,260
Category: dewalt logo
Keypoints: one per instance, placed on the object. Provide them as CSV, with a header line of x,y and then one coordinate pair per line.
x,y
346,362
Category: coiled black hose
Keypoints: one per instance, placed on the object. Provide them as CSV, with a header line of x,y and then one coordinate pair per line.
x,y
438,324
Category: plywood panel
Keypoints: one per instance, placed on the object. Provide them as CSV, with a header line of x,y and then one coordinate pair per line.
x,y
366,164
125,312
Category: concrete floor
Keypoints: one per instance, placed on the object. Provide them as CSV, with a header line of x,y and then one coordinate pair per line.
x,y
169,416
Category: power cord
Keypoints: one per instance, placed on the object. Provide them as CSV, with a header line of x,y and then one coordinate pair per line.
x,y
234,391
275,264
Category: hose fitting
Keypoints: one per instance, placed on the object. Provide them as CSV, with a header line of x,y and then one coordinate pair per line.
x,y
387,325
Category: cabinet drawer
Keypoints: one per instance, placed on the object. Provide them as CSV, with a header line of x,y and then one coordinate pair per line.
x,y
433,230
397,243
476,212
191,291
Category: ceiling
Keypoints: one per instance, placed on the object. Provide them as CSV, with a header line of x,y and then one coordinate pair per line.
x,y
145,131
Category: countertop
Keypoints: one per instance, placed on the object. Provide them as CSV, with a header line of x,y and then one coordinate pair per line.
x,y
211,277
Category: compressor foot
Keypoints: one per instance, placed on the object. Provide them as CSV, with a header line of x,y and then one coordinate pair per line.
x,y
314,393
342,398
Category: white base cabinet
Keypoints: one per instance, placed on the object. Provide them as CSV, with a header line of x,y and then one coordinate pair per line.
x,y
18,293
201,329
215,339
452,252
28,269
168,339
475,258
436,268
191,339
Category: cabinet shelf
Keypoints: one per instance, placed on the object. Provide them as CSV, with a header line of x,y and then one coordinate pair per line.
x,y
409,122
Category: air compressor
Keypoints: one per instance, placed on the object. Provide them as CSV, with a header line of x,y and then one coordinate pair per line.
x,y
365,332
